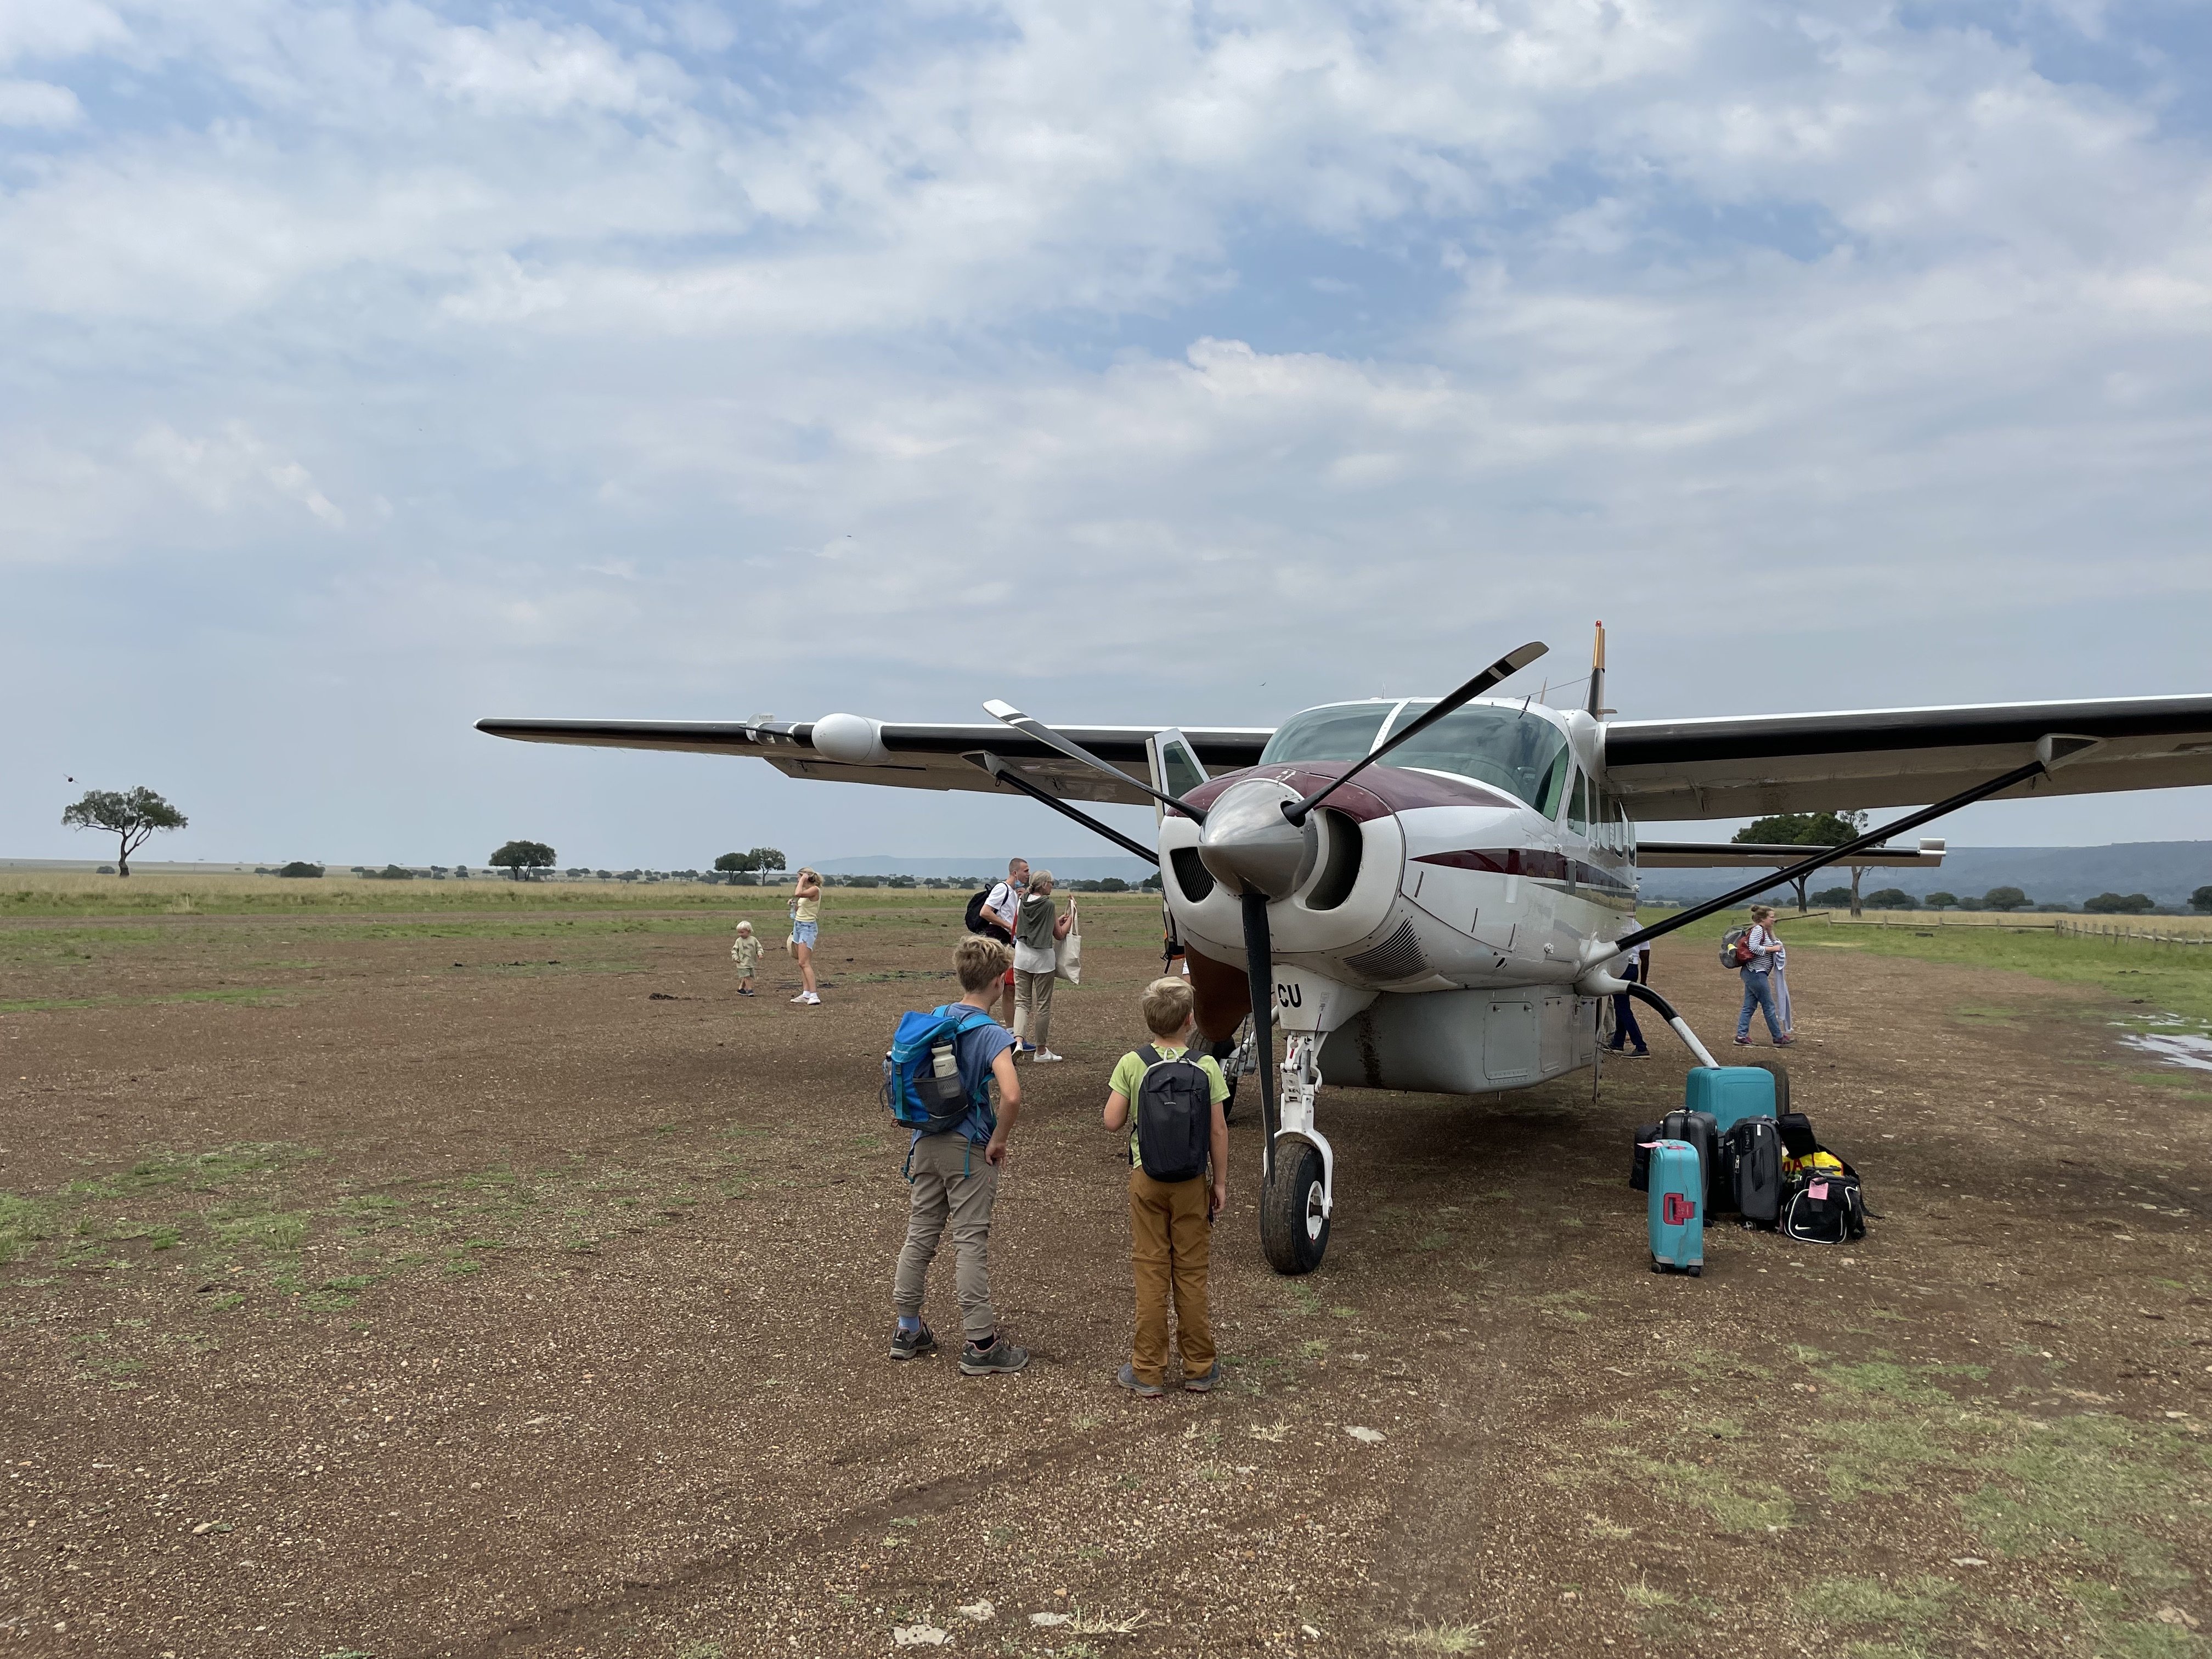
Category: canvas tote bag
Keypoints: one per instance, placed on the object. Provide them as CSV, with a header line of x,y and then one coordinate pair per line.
x,y
1067,961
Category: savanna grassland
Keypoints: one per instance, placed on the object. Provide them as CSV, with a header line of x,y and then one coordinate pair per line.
x,y
463,1268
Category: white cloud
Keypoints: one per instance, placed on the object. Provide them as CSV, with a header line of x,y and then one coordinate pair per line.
x,y
640,345
51,30
232,469
38,104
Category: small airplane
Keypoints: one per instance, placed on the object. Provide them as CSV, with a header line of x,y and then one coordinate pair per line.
x,y
1432,893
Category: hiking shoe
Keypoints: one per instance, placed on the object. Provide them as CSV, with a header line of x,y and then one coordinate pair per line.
x,y
907,1344
1000,1356
1126,1376
1046,1057
1207,1384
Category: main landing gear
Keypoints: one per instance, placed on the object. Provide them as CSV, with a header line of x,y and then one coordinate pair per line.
x,y
1296,1198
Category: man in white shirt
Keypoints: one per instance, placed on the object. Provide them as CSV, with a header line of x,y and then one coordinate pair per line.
x,y
1002,905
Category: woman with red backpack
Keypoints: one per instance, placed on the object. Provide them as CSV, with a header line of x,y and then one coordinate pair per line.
x,y
1755,955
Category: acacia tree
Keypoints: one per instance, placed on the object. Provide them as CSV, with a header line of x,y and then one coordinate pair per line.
x,y
1807,830
520,858
131,819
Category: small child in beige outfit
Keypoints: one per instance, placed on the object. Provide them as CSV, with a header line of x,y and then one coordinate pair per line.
x,y
745,951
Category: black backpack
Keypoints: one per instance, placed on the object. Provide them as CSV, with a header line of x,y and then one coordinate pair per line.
x,y
982,921
1174,1117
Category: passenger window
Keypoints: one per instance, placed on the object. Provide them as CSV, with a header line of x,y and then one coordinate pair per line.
x,y
1578,805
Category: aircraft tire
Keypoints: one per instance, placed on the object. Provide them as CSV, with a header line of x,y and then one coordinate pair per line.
x,y
1293,1233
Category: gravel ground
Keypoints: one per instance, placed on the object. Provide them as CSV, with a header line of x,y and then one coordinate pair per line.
x,y
512,1288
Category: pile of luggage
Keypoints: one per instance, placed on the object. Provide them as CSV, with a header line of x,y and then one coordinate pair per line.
x,y
1729,1151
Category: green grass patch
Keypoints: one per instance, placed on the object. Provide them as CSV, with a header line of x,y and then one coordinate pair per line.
x,y
248,996
2175,978
1916,1603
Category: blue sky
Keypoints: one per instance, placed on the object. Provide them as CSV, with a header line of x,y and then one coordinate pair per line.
x,y
370,368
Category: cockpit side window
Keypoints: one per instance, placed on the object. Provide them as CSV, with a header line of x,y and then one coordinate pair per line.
x,y
1340,732
1181,768
1508,748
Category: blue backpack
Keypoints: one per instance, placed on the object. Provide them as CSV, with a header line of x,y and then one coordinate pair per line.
x,y
921,1091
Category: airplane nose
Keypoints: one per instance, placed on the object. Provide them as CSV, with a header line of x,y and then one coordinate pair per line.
x,y
1250,846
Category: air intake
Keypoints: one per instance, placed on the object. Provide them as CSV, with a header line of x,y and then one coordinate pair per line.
x,y
1192,875
1397,957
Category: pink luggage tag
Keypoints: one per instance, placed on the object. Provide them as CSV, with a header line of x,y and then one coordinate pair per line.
x,y
1818,1189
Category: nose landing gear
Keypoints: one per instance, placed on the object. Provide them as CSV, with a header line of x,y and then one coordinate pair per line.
x,y
1296,1201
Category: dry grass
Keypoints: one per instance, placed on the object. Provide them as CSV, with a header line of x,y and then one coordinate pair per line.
x,y
2191,927
150,893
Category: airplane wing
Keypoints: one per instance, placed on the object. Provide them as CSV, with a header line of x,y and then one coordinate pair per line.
x,y
852,749
1772,855
1671,770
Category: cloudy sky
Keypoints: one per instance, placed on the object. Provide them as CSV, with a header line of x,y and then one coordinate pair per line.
x,y
368,368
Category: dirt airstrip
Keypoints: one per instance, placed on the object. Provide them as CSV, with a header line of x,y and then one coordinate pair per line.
x,y
509,1287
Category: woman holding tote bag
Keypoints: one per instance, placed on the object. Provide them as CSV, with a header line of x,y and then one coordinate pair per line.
x,y
1037,933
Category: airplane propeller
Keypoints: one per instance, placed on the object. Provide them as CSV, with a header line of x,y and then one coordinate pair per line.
x,y
1074,751
1258,840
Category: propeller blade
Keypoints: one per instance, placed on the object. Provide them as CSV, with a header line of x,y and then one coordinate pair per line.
x,y
1074,751
1260,970
1511,663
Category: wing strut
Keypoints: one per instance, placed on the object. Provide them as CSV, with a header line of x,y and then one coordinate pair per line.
x,y
1828,855
1007,774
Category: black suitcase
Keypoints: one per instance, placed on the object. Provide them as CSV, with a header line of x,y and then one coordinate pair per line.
x,y
1699,1130
1639,1165
1754,1160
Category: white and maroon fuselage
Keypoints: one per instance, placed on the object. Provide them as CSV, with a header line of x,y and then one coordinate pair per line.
x,y
1436,932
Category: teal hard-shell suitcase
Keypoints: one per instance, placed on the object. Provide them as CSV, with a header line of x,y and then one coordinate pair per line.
x,y
1730,1093
1677,1201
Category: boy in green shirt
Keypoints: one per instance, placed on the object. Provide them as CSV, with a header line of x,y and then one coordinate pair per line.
x,y
1170,1222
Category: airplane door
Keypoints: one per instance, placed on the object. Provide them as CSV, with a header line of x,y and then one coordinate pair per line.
x,y
1175,770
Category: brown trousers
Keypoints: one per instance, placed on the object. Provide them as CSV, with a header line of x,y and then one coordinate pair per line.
x,y
1169,1242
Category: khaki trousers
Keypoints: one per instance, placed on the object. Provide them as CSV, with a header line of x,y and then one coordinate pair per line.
x,y
950,1180
1032,1005
1169,1242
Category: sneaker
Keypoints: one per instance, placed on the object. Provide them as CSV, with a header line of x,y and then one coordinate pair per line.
x,y
800,1001
813,999
1743,1043
1046,1057
906,1345
1785,1041
1637,1054
1000,1356
1126,1376
1207,1384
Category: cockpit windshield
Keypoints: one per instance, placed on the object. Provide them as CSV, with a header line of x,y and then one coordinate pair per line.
x,y
1514,750
1340,732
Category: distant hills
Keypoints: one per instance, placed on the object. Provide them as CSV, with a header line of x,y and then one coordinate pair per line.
x,y
985,869
2168,871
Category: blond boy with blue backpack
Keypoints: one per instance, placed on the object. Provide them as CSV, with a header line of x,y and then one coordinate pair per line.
x,y
1171,1103
937,1082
